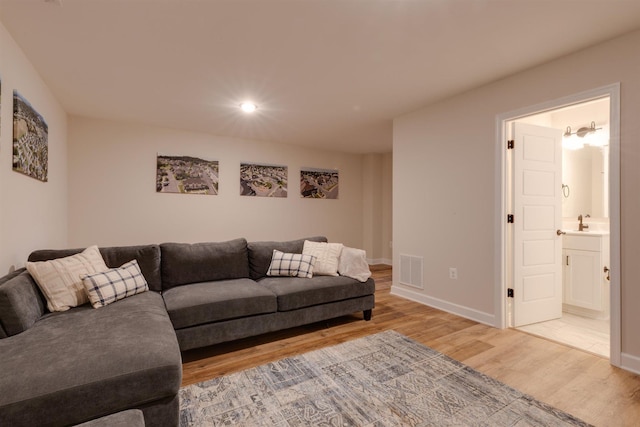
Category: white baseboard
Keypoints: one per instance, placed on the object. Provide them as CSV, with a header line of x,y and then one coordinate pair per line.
x,y
458,310
379,261
630,363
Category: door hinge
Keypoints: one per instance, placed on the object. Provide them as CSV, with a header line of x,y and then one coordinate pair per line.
x,y
509,293
510,218
510,144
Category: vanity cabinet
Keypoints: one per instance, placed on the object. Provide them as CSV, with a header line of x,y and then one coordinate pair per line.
x,y
585,287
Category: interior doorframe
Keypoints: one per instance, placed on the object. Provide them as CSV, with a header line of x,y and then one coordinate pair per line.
x,y
501,268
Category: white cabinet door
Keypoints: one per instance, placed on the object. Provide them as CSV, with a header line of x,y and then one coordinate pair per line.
x,y
582,279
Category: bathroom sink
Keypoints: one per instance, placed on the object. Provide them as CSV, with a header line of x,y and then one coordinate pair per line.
x,y
591,232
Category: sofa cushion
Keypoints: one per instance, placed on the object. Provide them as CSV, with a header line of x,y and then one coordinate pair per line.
x,y
60,280
21,303
294,293
208,302
148,257
185,263
84,363
114,284
260,253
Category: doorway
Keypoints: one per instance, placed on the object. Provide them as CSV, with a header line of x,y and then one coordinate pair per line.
x,y
582,320
543,114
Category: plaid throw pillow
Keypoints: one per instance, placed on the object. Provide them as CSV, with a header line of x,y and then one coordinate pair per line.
x,y
291,265
114,284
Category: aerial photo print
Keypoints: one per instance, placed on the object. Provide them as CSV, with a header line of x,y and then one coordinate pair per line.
x,y
30,140
186,175
263,180
319,183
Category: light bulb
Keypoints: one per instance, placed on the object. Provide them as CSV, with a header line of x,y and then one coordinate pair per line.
x,y
248,107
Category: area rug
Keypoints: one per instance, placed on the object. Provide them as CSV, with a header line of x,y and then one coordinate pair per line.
x,y
380,380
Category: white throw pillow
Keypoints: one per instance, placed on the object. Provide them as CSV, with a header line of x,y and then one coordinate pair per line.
x,y
353,263
61,279
114,284
291,265
327,257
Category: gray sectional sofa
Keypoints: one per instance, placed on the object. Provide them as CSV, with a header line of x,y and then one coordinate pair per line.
x,y
71,367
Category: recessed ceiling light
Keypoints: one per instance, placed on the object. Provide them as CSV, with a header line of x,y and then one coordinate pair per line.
x,y
248,107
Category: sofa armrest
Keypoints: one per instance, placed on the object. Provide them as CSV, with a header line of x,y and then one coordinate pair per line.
x,y
21,303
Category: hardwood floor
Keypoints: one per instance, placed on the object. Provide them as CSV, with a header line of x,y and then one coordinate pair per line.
x,y
575,381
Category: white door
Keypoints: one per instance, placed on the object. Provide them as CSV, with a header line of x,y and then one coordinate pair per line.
x,y
537,209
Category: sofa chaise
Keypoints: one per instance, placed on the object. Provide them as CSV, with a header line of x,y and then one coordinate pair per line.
x,y
75,366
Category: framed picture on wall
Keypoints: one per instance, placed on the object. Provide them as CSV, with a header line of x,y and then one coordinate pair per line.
x,y
263,180
319,183
30,140
186,175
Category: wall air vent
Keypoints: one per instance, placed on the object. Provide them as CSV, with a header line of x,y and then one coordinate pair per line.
x,y
411,271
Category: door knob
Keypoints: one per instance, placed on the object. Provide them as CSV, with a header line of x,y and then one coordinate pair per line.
x,y
560,232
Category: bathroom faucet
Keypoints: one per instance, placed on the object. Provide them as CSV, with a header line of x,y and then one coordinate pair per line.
x,y
581,226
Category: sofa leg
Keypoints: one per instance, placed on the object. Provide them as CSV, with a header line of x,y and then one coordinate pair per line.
x,y
367,314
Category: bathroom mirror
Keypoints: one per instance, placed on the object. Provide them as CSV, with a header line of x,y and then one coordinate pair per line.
x,y
585,179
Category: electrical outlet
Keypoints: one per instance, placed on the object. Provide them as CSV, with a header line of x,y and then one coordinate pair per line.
x,y
453,273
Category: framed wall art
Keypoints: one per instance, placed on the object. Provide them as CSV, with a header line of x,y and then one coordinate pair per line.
x,y
319,183
30,140
263,180
186,175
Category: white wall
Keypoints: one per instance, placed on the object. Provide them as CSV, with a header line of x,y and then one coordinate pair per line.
x,y
386,231
112,167
33,214
377,181
444,180
101,186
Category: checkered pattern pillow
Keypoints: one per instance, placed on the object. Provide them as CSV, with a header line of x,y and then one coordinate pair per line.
x,y
291,265
114,284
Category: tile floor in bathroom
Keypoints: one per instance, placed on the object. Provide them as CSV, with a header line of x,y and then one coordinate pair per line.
x,y
591,335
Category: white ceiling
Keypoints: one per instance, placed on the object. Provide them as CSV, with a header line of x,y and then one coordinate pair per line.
x,y
325,73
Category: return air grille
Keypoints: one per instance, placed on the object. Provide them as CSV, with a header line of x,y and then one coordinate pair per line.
x,y
411,270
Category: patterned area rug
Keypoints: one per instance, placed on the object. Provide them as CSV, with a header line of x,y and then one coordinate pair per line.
x,y
381,380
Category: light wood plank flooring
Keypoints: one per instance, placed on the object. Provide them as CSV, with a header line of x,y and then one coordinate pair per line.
x,y
575,381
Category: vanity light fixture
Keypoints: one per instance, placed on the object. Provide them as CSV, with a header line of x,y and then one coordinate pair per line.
x,y
584,135
248,107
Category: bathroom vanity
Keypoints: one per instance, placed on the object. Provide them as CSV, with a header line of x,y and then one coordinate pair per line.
x,y
585,264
